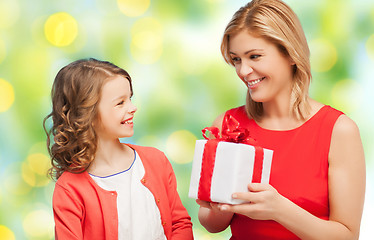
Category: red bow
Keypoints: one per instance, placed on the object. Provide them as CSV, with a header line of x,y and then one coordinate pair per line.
x,y
231,132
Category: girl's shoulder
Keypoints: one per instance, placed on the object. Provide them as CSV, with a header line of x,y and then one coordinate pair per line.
x,y
69,180
149,155
145,150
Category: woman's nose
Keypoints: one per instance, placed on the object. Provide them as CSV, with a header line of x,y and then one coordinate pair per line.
x,y
245,70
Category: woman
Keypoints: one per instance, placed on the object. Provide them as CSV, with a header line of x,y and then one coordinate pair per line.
x,y
317,181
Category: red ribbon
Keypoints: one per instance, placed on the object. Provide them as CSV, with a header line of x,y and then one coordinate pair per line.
x,y
231,132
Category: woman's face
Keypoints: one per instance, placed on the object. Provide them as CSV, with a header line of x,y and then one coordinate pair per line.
x,y
115,109
261,66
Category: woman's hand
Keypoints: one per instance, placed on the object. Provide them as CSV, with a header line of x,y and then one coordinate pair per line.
x,y
262,202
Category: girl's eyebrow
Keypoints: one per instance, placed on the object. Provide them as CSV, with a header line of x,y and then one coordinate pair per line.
x,y
120,97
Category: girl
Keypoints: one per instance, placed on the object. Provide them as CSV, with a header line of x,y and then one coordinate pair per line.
x,y
317,183
107,189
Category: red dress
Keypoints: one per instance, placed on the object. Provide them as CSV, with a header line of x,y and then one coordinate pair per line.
x,y
299,170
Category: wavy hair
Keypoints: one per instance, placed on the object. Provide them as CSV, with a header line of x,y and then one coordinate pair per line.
x,y
75,95
275,21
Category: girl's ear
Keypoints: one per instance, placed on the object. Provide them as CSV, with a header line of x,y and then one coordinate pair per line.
x,y
95,122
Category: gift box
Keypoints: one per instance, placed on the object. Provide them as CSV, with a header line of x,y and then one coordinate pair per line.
x,y
223,165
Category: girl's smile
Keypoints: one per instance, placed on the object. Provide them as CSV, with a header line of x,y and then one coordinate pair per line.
x,y
128,121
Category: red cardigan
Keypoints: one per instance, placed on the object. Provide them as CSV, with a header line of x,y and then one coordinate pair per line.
x,y
83,210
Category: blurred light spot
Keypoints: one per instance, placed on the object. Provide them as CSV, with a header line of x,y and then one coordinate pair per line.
x,y
35,168
151,140
133,8
370,46
39,163
346,95
14,183
61,29
323,55
6,233
38,224
33,79
146,42
338,19
214,1
2,51
6,95
203,235
39,147
189,63
9,13
48,192
180,146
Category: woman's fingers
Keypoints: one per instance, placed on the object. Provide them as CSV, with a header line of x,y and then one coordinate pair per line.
x,y
256,192
258,187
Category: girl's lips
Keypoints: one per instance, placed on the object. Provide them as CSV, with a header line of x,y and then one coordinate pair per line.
x,y
128,121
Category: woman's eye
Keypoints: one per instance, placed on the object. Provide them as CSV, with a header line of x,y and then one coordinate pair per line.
x,y
121,102
235,59
254,56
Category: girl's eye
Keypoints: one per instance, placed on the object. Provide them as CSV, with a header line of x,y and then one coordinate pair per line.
x,y
120,103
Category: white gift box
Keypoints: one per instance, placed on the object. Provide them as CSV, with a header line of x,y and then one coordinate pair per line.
x,y
233,170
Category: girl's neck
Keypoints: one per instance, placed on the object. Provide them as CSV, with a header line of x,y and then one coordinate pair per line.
x,y
111,157
106,150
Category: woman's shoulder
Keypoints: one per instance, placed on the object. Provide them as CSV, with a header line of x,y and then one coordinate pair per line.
x,y
237,112
318,107
345,127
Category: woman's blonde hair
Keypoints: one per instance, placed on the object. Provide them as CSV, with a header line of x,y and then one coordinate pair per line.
x,y
75,95
275,21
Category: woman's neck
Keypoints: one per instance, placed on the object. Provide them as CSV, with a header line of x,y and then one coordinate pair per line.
x,y
278,115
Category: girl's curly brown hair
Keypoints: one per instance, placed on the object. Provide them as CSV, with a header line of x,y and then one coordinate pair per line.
x,y
75,95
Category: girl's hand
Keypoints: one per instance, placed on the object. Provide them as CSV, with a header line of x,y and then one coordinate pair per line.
x,y
262,202
210,205
212,218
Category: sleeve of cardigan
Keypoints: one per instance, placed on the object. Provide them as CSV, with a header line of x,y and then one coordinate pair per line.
x,y
68,213
181,221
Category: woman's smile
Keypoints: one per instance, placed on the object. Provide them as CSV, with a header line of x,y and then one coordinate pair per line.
x,y
254,83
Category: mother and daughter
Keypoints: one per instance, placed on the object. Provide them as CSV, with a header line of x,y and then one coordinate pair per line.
x,y
106,189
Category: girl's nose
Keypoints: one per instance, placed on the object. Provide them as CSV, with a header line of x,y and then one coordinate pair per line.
x,y
133,108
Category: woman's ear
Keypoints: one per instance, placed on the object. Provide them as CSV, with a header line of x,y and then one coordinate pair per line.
x,y
292,62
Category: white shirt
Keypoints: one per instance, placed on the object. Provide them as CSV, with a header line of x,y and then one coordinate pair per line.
x,y
138,215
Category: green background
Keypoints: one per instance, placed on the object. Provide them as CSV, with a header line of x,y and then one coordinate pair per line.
x,y
181,83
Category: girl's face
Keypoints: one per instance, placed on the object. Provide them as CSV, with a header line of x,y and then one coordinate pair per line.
x,y
261,66
115,110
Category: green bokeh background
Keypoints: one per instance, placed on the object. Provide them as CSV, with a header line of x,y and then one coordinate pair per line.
x,y
181,83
